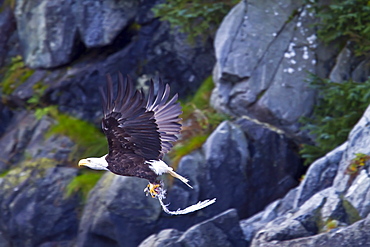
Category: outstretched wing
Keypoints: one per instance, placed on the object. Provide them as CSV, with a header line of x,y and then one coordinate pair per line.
x,y
137,127
166,115
130,129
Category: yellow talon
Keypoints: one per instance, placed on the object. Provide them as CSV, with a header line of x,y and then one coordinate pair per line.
x,y
151,188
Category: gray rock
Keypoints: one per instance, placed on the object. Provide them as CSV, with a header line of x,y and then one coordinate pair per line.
x,y
47,32
261,172
99,22
6,116
358,142
252,77
118,213
342,69
14,142
165,238
362,71
358,194
34,208
7,27
328,198
224,155
320,175
274,166
355,235
221,230
26,136
349,66
258,221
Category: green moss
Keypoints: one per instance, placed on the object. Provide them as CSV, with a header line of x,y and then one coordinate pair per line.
x,y
200,100
186,147
90,141
196,18
7,3
4,173
26,169
15,75
83,183
199,119
134,26
352,213
329,225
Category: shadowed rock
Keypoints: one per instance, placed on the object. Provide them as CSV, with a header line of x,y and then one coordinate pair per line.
x,y
118,213
221,230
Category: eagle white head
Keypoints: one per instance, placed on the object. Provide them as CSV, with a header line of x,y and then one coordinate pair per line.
x,y
95,163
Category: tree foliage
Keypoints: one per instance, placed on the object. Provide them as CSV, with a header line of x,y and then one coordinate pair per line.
x,y
339,107
348,20
195,17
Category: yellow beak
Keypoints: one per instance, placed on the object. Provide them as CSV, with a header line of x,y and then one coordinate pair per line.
x,y
83,162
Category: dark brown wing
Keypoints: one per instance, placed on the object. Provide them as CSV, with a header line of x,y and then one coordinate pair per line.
x,y
166,115
131,130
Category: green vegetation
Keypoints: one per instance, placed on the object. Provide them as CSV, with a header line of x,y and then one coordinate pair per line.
x,y
7,3
26,170
83,183
90,141
196,18
15,75
199,120
329,225
339,107
4,173
357,163
345,20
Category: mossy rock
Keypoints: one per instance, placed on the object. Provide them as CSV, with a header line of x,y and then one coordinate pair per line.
x,y
34,169
15,75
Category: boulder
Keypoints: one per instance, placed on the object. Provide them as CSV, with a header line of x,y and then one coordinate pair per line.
x,y
47,32
330,199
355,235
118,213
99,23
34,208
25,135
263,164
274,166
320,175
221,230
262,62
224,155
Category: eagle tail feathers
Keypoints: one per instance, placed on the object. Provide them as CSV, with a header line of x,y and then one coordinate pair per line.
x,y
160,167
181,178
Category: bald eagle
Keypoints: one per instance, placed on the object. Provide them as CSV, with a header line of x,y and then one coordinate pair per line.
x,y
140,131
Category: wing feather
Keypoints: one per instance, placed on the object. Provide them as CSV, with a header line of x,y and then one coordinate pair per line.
x,y
130,129
138,126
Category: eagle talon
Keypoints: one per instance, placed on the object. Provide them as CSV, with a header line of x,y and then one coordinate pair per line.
x,y
152,189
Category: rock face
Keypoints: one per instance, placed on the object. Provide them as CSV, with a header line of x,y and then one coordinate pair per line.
x,y
328,201
33,211
253,76
264,52
221,230
8,30
51,30
118,213
241,154
263,49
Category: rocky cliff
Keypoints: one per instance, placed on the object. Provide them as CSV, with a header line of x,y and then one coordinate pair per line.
x,y
54,56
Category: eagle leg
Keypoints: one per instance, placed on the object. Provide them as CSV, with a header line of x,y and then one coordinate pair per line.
x,y
152,189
